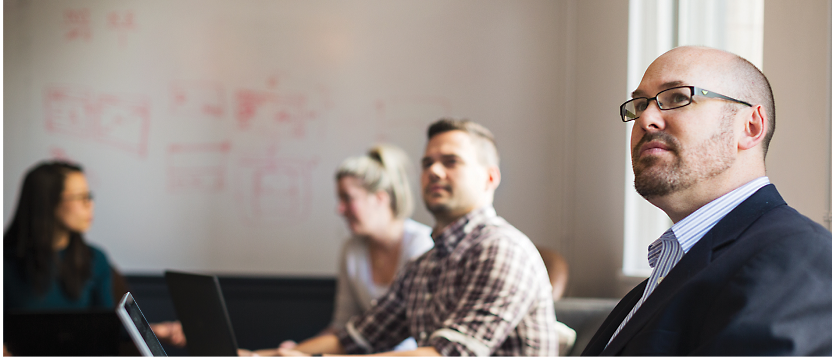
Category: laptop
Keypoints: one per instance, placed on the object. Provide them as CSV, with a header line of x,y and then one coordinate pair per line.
x,y
200,307
138,328
62,333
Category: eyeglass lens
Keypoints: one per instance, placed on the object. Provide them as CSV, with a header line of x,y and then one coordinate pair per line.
x,y
86,197
667,99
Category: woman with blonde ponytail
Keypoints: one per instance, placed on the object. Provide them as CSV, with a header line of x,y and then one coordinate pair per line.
x,y
375,199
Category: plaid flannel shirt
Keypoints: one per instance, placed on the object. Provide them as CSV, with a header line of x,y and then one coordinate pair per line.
x,y
482,290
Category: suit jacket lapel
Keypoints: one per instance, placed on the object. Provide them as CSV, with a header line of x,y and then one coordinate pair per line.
x,y
738,220
721,236
602,336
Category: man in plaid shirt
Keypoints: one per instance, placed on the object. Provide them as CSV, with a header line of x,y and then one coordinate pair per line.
x,y
482,290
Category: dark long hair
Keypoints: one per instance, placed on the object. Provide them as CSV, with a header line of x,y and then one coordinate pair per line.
x,y
30,237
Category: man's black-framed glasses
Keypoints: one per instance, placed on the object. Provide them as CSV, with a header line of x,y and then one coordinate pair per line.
x,y
668,99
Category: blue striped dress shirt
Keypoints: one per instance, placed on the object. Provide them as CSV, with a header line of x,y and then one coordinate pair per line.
x,y
693,227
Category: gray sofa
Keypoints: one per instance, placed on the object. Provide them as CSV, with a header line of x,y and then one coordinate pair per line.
x,y
584,315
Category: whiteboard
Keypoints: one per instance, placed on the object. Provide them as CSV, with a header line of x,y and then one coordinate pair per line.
x,y
210,130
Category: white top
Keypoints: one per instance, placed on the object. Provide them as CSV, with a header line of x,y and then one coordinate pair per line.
x,y
356,290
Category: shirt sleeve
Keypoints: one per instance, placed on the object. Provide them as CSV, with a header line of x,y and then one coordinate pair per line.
x,y
499,287
384,325
346,305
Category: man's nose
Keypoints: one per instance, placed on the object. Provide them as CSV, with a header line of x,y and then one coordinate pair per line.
x,y
435,171
651,118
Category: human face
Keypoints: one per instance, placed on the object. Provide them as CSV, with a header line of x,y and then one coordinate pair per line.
x,y
675,150
75,211
364,212
454,180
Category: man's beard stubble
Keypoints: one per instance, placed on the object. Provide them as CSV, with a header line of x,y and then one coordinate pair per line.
x,y
662,180
436,209
654,178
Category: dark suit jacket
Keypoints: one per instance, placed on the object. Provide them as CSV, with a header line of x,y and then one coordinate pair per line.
x,y
759,282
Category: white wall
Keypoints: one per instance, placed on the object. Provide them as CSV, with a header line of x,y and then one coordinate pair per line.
x,y
594,137
796,61
362,71
545,76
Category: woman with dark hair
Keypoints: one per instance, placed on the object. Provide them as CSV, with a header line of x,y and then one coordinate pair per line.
x,y
46,263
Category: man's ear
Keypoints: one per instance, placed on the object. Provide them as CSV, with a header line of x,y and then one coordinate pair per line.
x,y
493,177
755,126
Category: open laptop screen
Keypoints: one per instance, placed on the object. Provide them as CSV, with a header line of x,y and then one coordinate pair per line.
x,y
200,307
138,328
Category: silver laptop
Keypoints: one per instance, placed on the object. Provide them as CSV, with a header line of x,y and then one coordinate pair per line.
x,y
137,327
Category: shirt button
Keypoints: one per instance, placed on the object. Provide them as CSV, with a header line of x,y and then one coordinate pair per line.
x,y
423,335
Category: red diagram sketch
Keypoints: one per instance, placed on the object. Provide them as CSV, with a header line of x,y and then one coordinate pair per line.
x,y
77,23
409,113
58,153
276,189
197,167
119,121
121,23
197,99
273,112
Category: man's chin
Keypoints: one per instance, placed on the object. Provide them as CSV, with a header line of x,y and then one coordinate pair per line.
x,y
437,208
655,177
652,162
654,185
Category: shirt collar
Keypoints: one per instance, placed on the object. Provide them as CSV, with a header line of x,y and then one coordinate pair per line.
x,y
692,228
447,240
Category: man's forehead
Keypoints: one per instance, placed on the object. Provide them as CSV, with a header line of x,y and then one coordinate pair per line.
x,y
455,142
648,90
684,66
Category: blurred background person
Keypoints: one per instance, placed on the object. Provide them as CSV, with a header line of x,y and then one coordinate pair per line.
x,y
375,199
47,265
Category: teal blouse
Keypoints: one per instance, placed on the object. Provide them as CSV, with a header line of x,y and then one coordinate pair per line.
x,y
97,293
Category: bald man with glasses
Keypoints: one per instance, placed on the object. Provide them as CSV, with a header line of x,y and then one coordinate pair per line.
x,y
739,272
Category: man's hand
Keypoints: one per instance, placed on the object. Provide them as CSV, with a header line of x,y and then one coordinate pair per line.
x,y
271,352
288,344
170,332
322,344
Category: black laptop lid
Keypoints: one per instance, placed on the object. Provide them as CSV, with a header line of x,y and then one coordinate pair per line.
x,y
62,333
201,309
